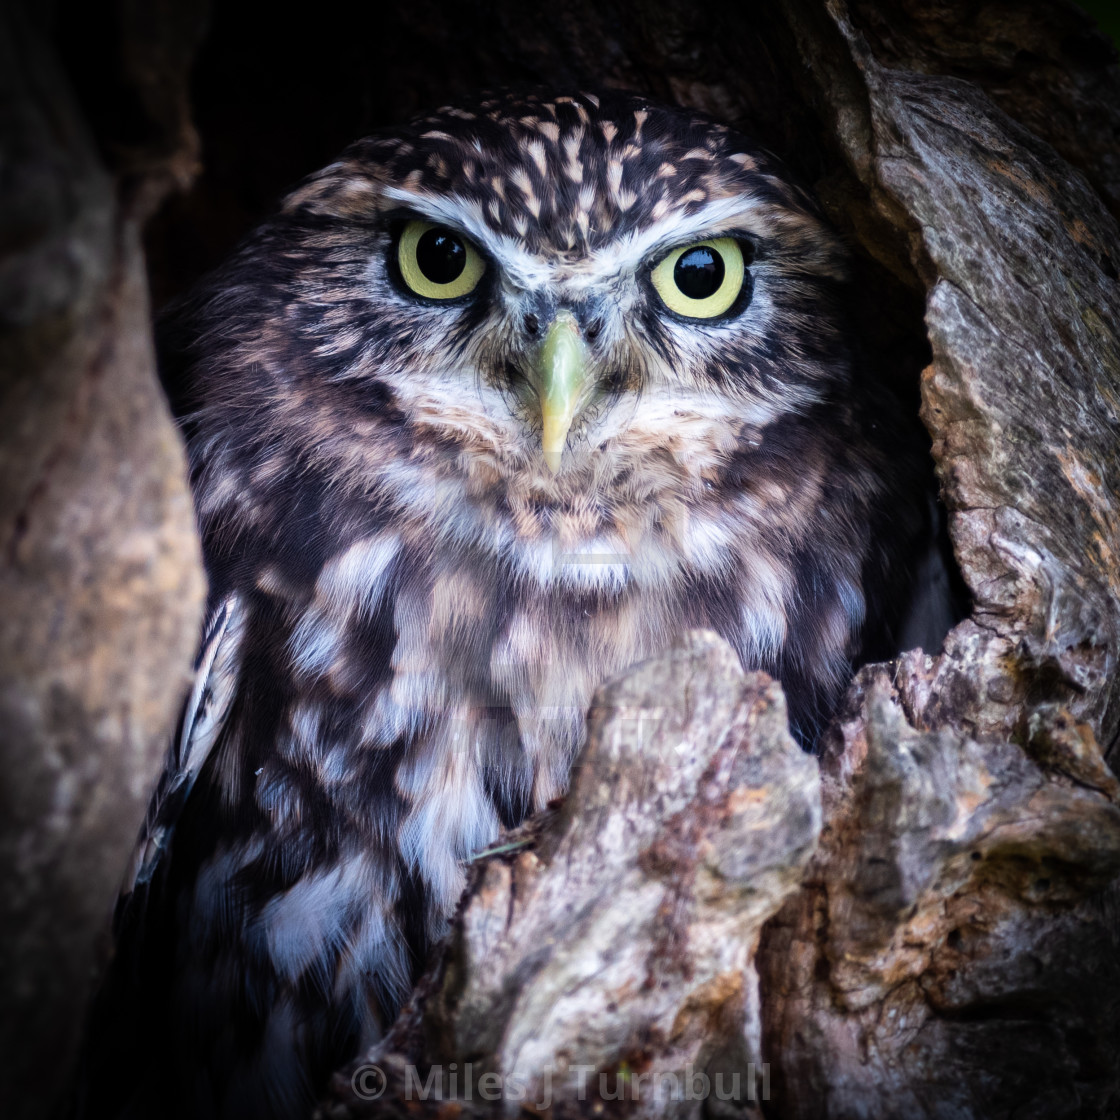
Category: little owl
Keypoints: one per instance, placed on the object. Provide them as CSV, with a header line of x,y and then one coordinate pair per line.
x,y
497,405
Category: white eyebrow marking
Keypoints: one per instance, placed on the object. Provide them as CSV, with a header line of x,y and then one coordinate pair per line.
x,y
521,267
627,253
623,255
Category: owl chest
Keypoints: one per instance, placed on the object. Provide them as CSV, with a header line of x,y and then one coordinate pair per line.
x,y
482,674
457,686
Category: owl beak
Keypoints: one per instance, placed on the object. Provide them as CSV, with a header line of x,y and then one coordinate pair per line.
x,y
561,370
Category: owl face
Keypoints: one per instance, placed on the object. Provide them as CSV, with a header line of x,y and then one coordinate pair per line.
x,y
565,316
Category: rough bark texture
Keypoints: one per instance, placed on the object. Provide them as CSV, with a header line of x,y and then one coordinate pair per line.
x,y
952,950
100,575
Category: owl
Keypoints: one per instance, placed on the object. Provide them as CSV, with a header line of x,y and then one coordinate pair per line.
x,y
497,405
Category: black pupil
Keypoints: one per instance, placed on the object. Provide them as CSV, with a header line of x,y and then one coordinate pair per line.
x,y
441,256
699,272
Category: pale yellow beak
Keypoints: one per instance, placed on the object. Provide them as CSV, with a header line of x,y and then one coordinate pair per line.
x,y
561,374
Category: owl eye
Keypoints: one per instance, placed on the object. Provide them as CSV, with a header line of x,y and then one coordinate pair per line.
x,y
438,263
702,280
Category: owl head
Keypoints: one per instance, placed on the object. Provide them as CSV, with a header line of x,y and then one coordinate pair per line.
x,y
530,316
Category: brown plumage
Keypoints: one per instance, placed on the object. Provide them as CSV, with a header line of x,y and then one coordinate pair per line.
x,y
427,548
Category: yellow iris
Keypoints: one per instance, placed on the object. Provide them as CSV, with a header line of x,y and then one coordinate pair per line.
x,y
437,262
701,280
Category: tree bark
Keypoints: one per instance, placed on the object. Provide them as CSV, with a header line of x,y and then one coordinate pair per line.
x,y
947,944
955,940
100,573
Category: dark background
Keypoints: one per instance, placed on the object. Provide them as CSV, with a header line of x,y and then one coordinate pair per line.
x,y
274,96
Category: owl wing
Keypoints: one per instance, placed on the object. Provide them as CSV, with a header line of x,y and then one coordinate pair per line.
x,y
204,715
122,1014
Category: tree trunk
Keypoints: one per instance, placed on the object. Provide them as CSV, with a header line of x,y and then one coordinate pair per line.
x,y
100,572
921,922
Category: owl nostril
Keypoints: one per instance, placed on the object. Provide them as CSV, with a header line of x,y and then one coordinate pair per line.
x,y
594,329
532,324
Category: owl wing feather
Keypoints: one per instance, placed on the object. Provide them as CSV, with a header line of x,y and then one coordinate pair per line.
x,y
111,1077
204,715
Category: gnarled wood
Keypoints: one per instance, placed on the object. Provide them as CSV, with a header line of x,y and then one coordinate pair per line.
x,y
965,961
